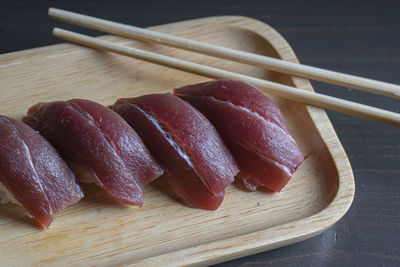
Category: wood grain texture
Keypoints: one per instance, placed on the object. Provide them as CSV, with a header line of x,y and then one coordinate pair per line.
x,y
358,37
319,193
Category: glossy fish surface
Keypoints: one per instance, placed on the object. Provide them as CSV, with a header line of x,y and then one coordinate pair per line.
x,y
253,128
100,144
34,173
198,164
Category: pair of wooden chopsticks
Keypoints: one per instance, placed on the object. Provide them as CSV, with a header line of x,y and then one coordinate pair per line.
x,y
284,91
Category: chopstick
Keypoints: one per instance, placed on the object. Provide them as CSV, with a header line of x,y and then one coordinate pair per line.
x,y
319,74
284,91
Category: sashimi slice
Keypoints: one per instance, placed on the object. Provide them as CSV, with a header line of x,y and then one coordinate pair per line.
x,y
98,141
252,126
197,163
33,174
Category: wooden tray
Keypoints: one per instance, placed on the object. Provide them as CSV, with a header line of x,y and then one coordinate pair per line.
x,y
163,232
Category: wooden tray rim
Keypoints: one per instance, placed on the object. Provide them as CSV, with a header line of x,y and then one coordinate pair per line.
x,y
284,234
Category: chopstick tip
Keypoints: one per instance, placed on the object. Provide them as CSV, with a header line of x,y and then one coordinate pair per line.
x,y
56,31
50,11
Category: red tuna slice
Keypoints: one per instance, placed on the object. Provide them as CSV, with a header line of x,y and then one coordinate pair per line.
x,y
197,163
97,140
252,126
33,172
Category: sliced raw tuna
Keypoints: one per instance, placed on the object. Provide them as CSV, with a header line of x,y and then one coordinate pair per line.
x,y
197,163
99,145
32,173
253,128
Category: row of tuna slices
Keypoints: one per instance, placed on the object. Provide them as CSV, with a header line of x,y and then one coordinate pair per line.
x,y
100,147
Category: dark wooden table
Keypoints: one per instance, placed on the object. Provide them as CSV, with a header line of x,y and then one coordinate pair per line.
x,y
358,37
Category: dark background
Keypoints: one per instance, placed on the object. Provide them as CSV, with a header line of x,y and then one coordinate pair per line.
x,y
357,37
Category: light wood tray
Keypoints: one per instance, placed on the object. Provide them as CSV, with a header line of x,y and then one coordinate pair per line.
x,y
163,232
